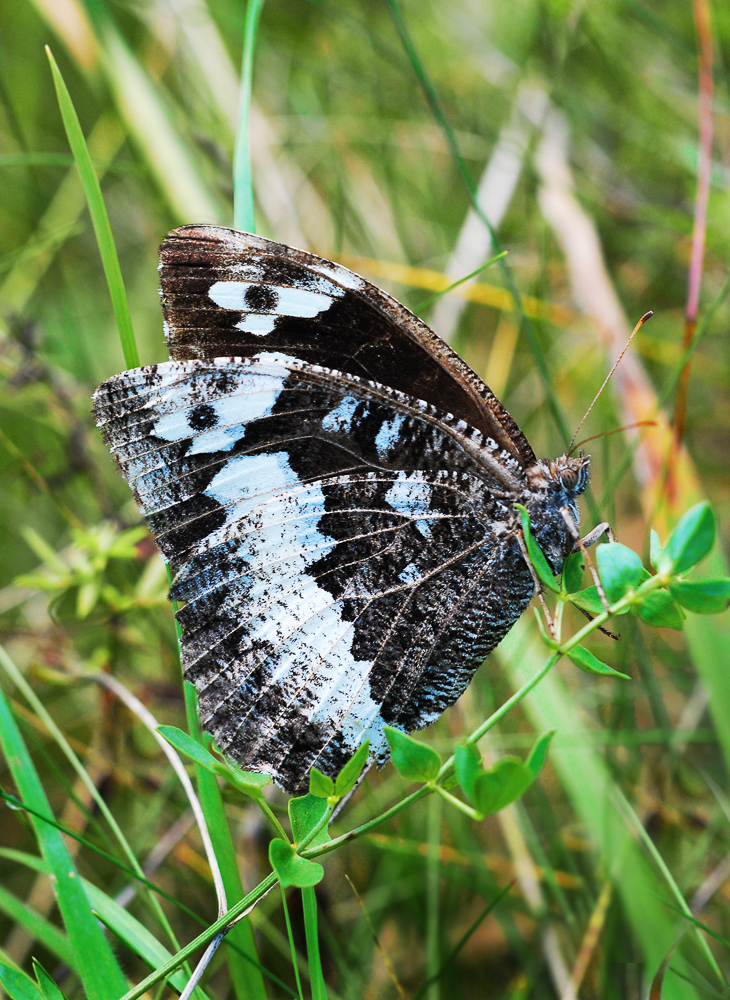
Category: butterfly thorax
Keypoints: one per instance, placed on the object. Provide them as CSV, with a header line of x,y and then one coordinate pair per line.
x,y
555,485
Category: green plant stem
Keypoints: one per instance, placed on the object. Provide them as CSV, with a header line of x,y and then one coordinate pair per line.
x,y
243,207
419,793
292,946
320,825
457,803
203,938
316,976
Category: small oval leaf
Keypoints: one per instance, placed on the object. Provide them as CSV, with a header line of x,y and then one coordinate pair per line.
x,y
290,868
573,572
704,597
501,785
185,744
320,784
658,609
585,660
620,569
350,773
538,755
415,761
305,812
537,557
467,765
692,539
655,550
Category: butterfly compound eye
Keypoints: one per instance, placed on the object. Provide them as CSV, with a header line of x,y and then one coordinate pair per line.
x,y
569,478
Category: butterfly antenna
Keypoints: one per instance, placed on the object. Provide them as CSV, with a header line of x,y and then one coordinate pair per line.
x,y
636,329
616,430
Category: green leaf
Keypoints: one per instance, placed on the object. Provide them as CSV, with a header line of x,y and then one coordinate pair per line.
x,y
658,609
350,773
185,744
467,765
538,755
320,784
290,868
705,597
538,560
589,600
580,656
692,539
655,550
247,782
17,984
49,989
573,572
501,785
305,812
620,569
415,761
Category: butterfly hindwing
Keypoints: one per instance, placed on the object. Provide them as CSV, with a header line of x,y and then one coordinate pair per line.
x,y
342,557
226,293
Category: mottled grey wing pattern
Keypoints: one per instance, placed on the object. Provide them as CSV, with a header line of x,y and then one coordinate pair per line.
x,y
228,293
346,553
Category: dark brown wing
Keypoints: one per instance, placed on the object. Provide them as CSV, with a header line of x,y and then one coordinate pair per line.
x,y
226,293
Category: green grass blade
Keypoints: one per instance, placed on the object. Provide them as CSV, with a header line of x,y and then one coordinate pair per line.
x,y
136,936
99,217
316,976
39,926
590,787
440,115
243,208
19,680
101,976
246,975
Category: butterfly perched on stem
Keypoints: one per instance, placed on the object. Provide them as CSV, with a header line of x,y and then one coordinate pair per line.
x,y
333,489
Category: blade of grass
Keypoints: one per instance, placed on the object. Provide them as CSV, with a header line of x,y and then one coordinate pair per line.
x,y
243,207
27,691
99,217
292,946
439,114
590,786
445,291
246,974
316,976
136,936
98,969
39,926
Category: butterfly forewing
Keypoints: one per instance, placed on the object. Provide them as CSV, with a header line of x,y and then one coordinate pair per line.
x,y
227,293
340,552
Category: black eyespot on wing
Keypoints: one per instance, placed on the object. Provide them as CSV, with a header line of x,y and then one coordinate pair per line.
x,y
203,418
261,298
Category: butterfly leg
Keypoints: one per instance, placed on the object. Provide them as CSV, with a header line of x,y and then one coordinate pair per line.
x,y
538,586
581,546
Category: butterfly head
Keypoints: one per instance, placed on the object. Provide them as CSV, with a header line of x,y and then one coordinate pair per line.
x,y
567,474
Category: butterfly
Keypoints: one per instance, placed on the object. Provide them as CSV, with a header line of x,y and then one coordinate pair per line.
x,y
333,490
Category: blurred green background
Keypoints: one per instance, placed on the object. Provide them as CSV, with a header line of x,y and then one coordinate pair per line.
x,y
578,126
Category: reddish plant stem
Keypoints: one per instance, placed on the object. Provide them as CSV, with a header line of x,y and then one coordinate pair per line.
x,y
703,27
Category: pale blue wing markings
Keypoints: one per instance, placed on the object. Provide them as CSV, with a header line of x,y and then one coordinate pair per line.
x,y
424,659
286,641
408,591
